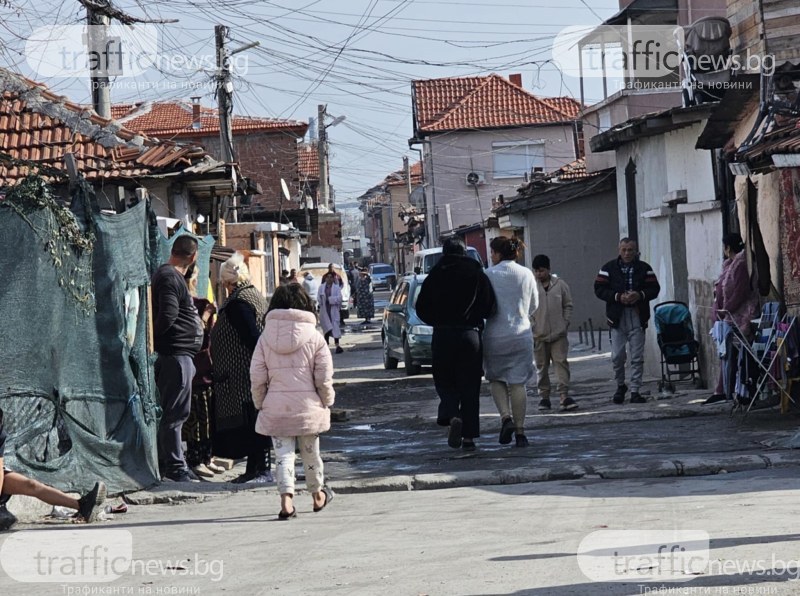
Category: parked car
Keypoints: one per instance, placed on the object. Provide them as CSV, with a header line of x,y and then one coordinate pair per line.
x,y
383,276
403,334
425,259
320,269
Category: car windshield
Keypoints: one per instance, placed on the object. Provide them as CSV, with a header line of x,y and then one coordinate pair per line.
x,y
382,269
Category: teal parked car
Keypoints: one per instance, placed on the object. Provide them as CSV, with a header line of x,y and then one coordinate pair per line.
x,y
405,337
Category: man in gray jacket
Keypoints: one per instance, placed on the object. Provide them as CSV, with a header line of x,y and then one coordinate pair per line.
x,y
550,325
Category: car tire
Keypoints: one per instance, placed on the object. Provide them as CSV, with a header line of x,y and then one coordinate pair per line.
x,y
389,362
411,368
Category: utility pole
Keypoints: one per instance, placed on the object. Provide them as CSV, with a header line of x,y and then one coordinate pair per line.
x,y
99,47
225,101
322,152
407,170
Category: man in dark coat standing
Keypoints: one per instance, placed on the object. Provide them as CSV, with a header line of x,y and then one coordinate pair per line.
x,y
455,299
627,285
178,336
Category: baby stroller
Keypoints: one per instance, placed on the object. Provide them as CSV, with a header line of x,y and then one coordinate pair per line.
x,y
678,346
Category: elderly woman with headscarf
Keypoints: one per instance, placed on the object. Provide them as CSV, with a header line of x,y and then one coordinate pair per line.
x,y
233,340
329,299
735,305
365,302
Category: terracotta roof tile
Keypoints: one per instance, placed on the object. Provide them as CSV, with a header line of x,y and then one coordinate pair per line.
x,y
484,102
33,128
174,119
785,138
398,178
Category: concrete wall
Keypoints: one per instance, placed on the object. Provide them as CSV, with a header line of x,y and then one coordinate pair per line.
x,y
451,156
578,236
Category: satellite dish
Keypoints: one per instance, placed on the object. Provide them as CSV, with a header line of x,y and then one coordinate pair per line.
x,y
285,188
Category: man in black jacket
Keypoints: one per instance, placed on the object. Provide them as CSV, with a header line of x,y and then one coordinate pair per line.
x,y
455,299
178,336
627,285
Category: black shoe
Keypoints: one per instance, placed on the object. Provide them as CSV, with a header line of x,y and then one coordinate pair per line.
x,y
339,349
568,404
182,475
636,398
454,434
716,398
522,441
619,395
7,519
506,431
90,504
468,445
283,515
544,404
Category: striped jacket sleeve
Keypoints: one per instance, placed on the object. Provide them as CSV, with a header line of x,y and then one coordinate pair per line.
x,y
602,286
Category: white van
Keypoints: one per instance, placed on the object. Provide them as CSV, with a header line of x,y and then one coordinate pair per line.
x,y
424,260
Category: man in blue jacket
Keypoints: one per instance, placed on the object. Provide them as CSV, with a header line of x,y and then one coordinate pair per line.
x,y
627,285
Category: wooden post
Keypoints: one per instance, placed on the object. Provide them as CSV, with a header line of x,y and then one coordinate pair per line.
x,y
150,334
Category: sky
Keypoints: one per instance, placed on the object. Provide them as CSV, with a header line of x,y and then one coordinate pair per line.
x,y
356,56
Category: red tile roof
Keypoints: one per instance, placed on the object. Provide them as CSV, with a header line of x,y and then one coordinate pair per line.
x,y
308,161
174,119
484,102
572,171
398,178
784,138
36,125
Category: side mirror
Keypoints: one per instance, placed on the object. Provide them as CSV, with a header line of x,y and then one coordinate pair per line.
x,y
394,308
417,270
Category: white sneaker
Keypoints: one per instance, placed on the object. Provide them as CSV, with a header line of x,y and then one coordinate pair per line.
x,y
263,478
215,468
203,471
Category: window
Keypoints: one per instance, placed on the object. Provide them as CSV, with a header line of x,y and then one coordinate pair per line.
x,y
514,160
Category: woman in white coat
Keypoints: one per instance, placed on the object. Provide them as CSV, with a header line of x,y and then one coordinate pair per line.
x,y
329,299
507,338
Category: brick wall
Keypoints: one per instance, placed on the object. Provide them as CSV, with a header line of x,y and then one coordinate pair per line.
x,y
330,232
265,158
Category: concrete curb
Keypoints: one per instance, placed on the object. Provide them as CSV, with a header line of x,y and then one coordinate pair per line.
x,y
28,509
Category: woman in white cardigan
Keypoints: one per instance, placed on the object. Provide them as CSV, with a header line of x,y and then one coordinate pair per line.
x,y
507,339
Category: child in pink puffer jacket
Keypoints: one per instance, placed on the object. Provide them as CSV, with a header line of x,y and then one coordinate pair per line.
x,y
291,376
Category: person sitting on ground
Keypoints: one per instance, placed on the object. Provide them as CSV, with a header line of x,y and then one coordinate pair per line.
x,y
550,326
291,376
14,483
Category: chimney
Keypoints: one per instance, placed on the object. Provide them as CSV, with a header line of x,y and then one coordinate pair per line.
x,y
196,123
516,79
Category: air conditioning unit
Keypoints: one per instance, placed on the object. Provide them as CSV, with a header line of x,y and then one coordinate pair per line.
x,y
475,178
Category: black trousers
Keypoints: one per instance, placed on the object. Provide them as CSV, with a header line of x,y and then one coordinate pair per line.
x,y
174,381
457,372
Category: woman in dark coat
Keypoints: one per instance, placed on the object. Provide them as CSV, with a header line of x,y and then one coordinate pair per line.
x,y
233,340
365,301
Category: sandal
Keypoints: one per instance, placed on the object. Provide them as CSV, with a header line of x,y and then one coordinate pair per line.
x,y
328,498
284,515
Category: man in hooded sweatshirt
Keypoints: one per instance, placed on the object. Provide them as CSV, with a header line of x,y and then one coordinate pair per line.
x,y
455,299
550,326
